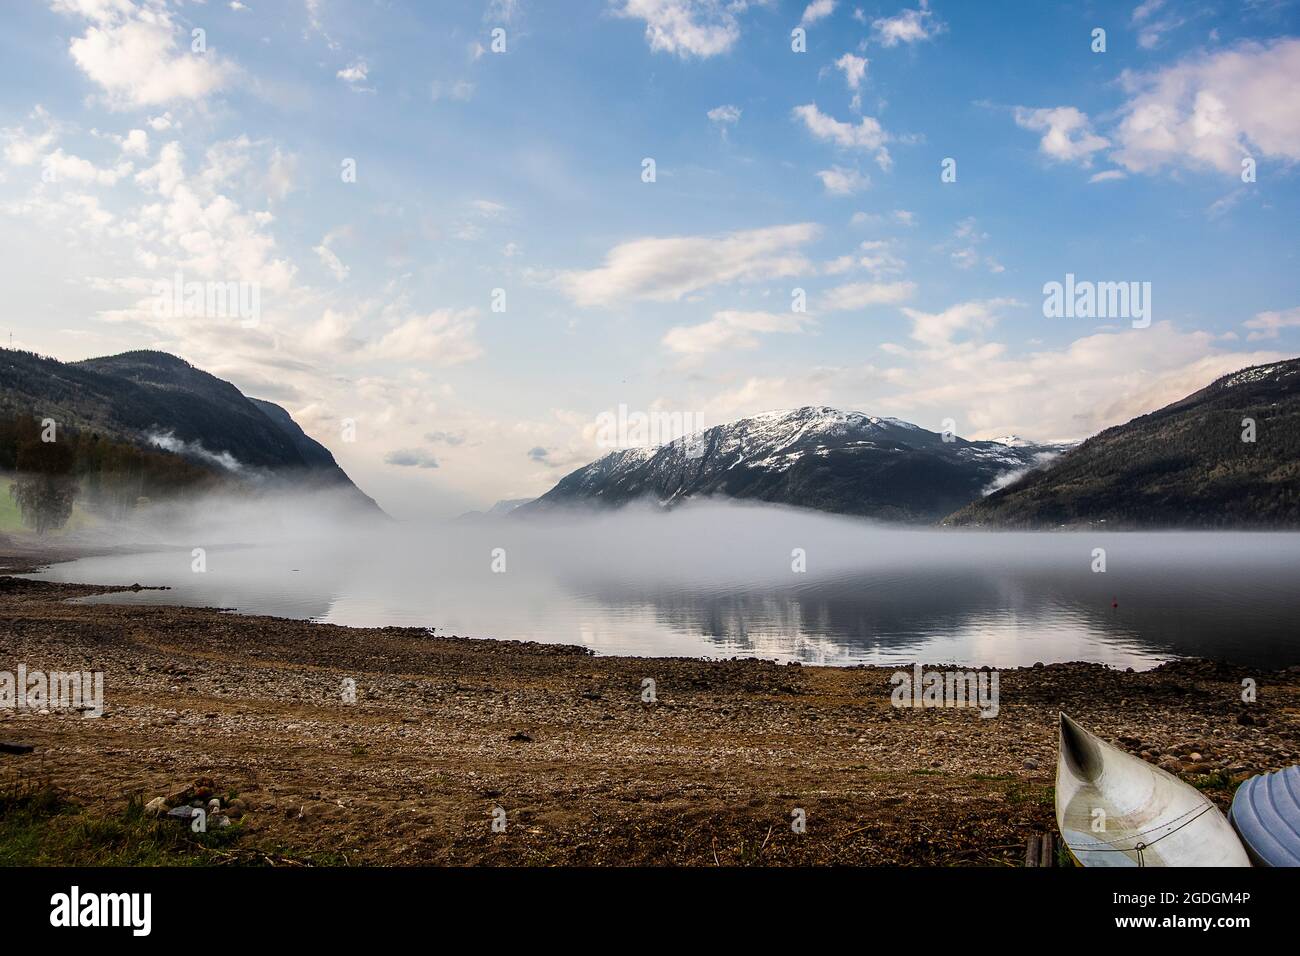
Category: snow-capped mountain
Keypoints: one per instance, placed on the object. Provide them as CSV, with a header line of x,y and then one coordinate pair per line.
x,y
813,457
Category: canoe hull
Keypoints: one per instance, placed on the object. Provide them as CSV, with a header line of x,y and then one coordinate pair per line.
x,y
1114,809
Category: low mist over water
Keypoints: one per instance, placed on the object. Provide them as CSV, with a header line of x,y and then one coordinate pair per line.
x,y
719,580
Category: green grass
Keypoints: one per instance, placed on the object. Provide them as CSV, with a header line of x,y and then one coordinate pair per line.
x,y
40,826
1031,793
11,519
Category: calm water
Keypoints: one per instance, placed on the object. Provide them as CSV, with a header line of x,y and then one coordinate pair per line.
x,y
718,582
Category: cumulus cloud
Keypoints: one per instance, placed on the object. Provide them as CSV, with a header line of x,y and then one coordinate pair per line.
x,y
860,295
63,167
1267,325
840,181
1067,133
355,75
443,337
22,148
1212,109
139,56
867,134
687,28
732,330
817,10
908,26
854,69
879,259
936,329
725,115
666,269
954,370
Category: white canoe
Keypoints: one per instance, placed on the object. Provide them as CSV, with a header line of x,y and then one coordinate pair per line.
x,y
1115,809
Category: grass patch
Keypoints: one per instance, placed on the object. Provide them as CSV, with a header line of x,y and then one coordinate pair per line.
x,y
11,519
41,826
1031,794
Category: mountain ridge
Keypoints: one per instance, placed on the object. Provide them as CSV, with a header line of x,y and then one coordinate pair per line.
x,y
1186,465
814,456
158,400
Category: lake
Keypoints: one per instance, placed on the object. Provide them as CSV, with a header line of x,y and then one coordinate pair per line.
x,y
721,581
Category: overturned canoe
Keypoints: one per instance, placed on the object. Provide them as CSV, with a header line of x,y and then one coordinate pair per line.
x,y
1266,813
1115,809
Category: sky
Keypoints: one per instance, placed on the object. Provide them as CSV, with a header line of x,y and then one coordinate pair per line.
x,y
466,234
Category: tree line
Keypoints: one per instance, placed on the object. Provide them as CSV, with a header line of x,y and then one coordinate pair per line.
x,y
54,467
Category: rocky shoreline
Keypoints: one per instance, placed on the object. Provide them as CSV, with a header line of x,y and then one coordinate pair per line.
x,y
444,733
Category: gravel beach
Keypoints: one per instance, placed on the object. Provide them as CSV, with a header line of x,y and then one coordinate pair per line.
x,y
445,732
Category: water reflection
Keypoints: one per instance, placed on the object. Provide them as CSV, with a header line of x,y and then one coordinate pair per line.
x,y
718,582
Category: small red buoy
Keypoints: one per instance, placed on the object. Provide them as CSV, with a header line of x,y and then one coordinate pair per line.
x,y
1114,603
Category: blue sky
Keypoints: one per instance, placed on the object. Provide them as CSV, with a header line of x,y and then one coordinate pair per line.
x,y
127,157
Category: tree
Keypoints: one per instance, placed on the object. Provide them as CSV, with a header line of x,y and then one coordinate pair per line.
x,y
44,487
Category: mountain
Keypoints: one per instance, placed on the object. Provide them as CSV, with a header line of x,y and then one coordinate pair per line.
x,y
499,510
158,401
813,457
1184,466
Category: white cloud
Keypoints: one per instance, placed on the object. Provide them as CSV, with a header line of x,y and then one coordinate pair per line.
x,y
879,259
860,295
854,69
817,10
732,330
1056,394
1266,325
443,337
22,148
867,134
136,143
1067,133
1153,20
330,258
964,247
1211,110
666,269
725,115
133,54
355,76
700,28
840,181
909,26
65,167
936,329
1106,176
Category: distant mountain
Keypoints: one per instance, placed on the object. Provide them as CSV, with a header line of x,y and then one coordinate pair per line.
x,y
1184,466
158,401
813,457
499,510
